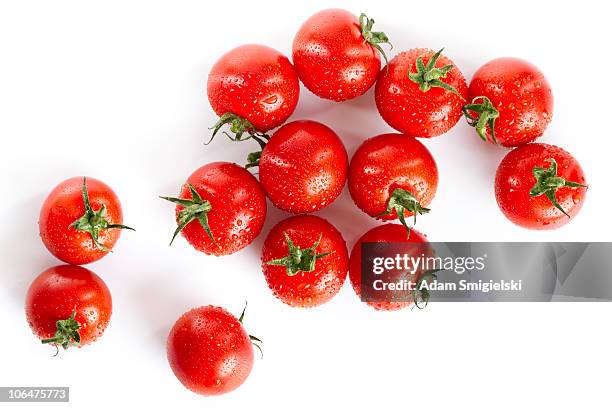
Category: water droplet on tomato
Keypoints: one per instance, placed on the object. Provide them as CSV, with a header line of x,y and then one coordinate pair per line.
x,y
271,100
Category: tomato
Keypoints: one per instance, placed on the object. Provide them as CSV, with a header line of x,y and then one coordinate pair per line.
x,y
304,261
392,175
336,55
386,233
68,305
421,93
220,210
511,102
80,220
539,186
253,88
209,351
303,167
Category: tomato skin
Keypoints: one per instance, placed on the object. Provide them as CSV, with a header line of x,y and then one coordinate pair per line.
x,y
382,233
514,179
411,111
332,58
386,162
238,208
209,351
521,94
63,206
255,82
303,167
306,289
57,291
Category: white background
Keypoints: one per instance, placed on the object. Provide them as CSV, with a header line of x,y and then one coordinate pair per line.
x,y
115,90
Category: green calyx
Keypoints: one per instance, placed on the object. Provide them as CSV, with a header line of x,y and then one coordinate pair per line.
x,y
240,127
194,208
67,332
253,159
93,222
421,296
547,183
254,340
299,260
428,76
374,38
486,114
400,201
242,130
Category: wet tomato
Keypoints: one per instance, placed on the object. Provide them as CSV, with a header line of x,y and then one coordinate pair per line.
x,y
209,351
388,233
421,93
511,102
336,54
68,306
303,167
392,175
253,88
305,261
80,220
221,209
539,186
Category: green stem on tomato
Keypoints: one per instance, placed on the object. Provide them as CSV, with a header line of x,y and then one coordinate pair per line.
x,y
428,76
194,208
92,221
401,201
547,183
67,332
374,38
486,115
298,259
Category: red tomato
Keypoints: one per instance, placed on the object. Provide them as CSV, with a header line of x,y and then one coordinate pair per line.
x,y
384,233
303,167
221,209
254,88
68,306
391,175
512,97
539,186
305,261
209,351
80,220
336,55
421,99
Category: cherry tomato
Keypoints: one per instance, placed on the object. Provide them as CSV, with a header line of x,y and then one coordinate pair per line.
x,y
220,210
539,186
303,167
336,55
80,220
391,175
305,261
387,233
209,351
511,97
421,93
253,88
68,305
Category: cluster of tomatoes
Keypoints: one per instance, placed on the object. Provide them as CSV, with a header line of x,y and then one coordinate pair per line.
x,y
303,167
